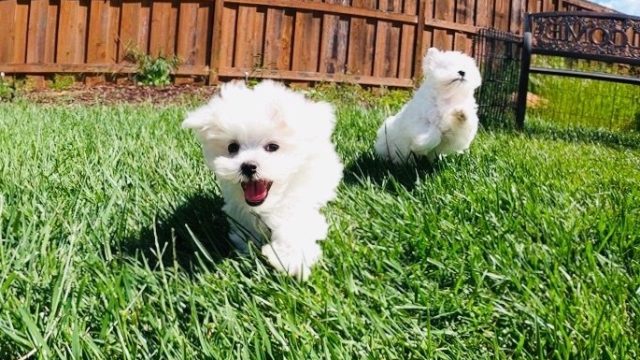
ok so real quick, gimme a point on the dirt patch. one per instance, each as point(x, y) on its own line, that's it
point(108, 94)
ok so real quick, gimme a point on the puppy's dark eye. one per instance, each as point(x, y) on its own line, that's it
point(271, 147)
point(233, 148)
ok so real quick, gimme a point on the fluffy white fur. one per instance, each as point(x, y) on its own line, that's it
point(441, 117)
point(304, 170)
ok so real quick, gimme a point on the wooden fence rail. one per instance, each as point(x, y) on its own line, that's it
point(377, 42)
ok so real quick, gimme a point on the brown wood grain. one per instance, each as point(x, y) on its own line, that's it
point(160, 18)
point(97, 47)
point(129, 29)
point(306, 41)
point(244, 39)
point(517, 12)
point(257, 39)
point(392, 34)
point(444, 10)
point(463, 15)
point(37, 31)
point(278, 41)
point(333, 48)
point(7, 36)
point(52, 31)
point(501, 15)
point(355, 10)
point(186, 45)
point(357, 42)
point(218, 51)
point(361, 41)
point(204, 32)
point(407, 39)
point(227, 37)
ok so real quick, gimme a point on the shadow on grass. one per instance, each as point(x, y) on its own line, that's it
point(195, 232)
point(369, 168)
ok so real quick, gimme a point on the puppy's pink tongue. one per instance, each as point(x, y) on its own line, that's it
point(255, 191)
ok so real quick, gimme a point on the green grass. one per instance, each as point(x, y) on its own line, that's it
point(527, 247)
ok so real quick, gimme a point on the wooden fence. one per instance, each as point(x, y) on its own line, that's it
point(378, 42)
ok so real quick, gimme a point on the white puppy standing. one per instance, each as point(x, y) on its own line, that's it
point(441, 117)
point(271, 151)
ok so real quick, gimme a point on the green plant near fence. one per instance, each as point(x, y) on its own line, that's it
point(153, 71)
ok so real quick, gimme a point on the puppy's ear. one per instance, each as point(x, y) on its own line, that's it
point(322, 119)
point(200, 119)
point(429, 58)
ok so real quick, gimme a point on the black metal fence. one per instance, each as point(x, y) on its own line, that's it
point(581, 102)
point(593, 58)
point(561, 101)
point(498, 55)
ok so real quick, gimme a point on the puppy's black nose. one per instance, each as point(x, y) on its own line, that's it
point(248, 168)
point(461, 73)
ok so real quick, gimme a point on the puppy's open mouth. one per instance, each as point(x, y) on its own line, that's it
point(255, 191)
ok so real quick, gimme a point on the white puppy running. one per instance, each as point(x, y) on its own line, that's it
point(441, 117)
point(270, 149)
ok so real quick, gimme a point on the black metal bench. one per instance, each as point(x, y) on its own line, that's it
point(612, 38)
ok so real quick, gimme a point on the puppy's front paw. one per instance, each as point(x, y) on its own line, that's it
point(459, 116)
point(296, 261)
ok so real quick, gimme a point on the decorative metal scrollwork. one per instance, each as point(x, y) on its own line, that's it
point(613, 36)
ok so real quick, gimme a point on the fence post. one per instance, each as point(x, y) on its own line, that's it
point(214, 64)
point(418, 55)
point(523, 86)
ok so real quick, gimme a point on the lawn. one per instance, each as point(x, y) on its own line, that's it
point(526, 247)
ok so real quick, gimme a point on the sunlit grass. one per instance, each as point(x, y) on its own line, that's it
point(526, 247)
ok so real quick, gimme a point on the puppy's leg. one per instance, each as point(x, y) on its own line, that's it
point(459, 116)
point(244, 229)
point(294, 248)
point(423, 143)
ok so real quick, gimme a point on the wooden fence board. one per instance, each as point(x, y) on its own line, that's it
point(393, 42)
point(21, 23)
point(333, 48)
point(160, 40)
point(227, 39)
point(278, 39)
point(428, 30)
point(52, 31)
point(387, 40)
point(130, 29)
point(244, 44)
point(361, 41)
point(97, 46)
point(463, 15)
point(257, 40)
point(306, 41)
point(311, 40)
point(204, 32)
point(407, 38)
point(37, 31)
point(501, 15)
point(444, 10)
point(187, 46)
point(516, 17)
point(7, 36)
